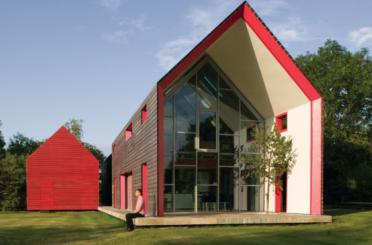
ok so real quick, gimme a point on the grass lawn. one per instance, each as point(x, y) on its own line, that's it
point(349, 227)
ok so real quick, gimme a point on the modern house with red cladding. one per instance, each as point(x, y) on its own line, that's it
point(62, 175)
point(180, 144)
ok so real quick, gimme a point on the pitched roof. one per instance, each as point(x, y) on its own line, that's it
point(245, 12)
point(61, 144)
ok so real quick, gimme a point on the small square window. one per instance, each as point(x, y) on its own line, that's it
point(251, 133)
point(144, 114)
point(282, 122)
point(128, 132)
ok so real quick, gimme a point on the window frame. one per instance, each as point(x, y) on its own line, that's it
point(128, 133)
point(144, 114)
point(279, 122)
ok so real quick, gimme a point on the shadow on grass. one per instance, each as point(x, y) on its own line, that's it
point(51, 235)
point(270, 235)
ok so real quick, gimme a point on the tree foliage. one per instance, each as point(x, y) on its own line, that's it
point(2, 144)
point(13, 182)
point(345, 81)
point(267, 158)
point(95, 151)
point(75, 126)
point(22, 145)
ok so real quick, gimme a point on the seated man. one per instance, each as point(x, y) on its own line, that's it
point(138, 212)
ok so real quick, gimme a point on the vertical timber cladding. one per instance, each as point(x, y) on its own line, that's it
point(129, 155)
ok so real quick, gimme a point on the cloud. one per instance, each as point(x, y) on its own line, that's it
point(111, 4)
point(362, 36)
point(119, 36)
point(269, 7)
point(201, 21)
point(126, 29)
point(291, 29)
point(138, 23)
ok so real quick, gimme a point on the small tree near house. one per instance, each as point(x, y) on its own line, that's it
point(267, 158)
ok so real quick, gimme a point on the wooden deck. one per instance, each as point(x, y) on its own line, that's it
point(231, 218)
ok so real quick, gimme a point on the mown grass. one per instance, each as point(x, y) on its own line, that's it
point(98, 228)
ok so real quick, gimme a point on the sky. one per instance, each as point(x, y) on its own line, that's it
point(96, 60)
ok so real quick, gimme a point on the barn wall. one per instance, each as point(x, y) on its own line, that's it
point(62, 175)
point(129, 155)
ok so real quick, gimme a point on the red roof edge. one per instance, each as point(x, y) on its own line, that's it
point(246, 12)
point(279, 52)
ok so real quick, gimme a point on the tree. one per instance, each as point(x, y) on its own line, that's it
point(95, 151)
point(75, 126)
point(13, 182)
point(345, 81)
point(267, 158)
point(2, 144)
point(22, 145)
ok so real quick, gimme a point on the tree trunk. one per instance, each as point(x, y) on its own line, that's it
point(268, 195)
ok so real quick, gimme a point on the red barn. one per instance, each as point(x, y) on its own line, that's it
point(62, 175)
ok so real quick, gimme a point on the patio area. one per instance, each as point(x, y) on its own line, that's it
point(226, 218)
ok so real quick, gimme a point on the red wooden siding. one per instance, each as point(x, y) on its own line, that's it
point(122, 192)
point(144, 183)
point(62, 175)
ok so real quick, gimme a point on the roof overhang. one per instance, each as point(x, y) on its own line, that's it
point(254, 60)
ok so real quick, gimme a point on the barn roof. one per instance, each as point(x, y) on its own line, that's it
point(62, 144)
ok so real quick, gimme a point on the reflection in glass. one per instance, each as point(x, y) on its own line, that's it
point(185, 109)
point(185, 158)
point(227, 160)
point(184, 188)
point(227, 144)
point(207, 168)
point(207, 84)
point(185, 142)
point(207, 198)
point(208, 177)
point(168, 167)
point(207, 130)
point(168, 198)
point(229, 112)
point(246, 114)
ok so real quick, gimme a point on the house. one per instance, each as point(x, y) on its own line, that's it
point(179, 146)
point(62, 175)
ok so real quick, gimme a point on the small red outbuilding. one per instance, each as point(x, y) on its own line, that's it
point(62, 175)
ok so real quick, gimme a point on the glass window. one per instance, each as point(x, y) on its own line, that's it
point(246, 114)
point(227, 144)
point(207, 198)
point(207, 130)
point(168, 166)
point(207, 84)
point(229, 112)
point(185, 158)
point(250, 198)
point(228, 189)
point(168, 198)
point(207, 168)
point(227, 160)
point(185, 109)
point(185, 142)
point(282, 122)
point(223, 84)
point(184, 188)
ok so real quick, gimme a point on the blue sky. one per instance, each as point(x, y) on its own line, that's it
point(96, 60)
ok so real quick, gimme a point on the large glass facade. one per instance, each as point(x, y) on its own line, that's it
point(205, 121)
